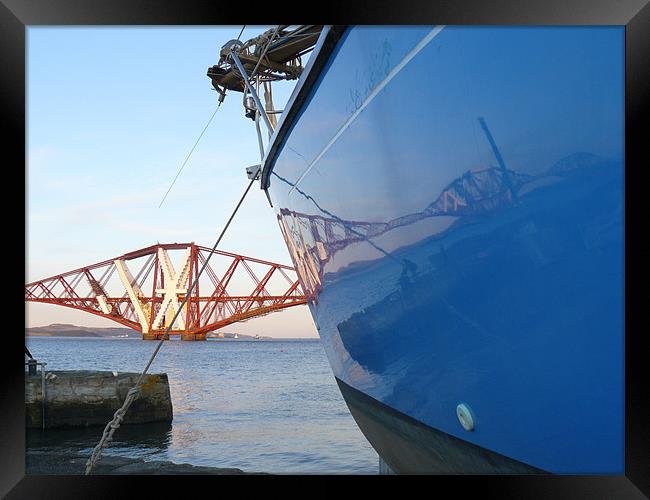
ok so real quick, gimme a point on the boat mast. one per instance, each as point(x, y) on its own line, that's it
point(497, 154)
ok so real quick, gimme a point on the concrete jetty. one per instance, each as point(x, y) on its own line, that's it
point(82, 398)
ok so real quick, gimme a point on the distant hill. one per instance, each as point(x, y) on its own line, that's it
point(66, 330)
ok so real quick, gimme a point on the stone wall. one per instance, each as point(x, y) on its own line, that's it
point(83, 398)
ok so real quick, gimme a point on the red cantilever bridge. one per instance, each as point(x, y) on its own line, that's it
point(231, 288)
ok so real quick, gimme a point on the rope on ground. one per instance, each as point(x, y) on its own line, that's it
point(134, 392)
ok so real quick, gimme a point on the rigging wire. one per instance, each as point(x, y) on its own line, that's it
point(133, 393)
point(242, 30)
point(189, 154)
point(268, 44)
point(199, 138)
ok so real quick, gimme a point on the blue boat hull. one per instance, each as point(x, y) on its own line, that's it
point(452, 199)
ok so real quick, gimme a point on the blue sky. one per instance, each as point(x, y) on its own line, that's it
point(111, 115)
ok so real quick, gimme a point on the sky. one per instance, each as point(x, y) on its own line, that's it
point(111, 115)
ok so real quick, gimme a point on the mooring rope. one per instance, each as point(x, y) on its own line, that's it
point(134, 392)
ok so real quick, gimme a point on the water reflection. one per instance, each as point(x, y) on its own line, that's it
point(133, 440)
point(236, 404)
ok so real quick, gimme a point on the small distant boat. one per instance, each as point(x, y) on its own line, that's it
point(257, 337)
point(236, 336)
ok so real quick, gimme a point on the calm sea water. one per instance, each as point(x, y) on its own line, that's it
point(261, 406)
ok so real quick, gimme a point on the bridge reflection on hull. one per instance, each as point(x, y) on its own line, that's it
point(314, 239)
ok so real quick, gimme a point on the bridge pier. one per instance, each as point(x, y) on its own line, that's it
point(155, 336)
point(193, 336)
point(165, 336)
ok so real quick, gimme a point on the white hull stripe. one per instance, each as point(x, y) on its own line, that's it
point(396, 69)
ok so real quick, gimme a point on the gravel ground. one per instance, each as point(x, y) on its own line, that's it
point(48, 463)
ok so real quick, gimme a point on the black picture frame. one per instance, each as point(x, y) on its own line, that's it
point(17, 15)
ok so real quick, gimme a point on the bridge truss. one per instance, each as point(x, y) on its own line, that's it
point(144, 289)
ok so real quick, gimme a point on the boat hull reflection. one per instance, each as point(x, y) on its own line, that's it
point(447, 267)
